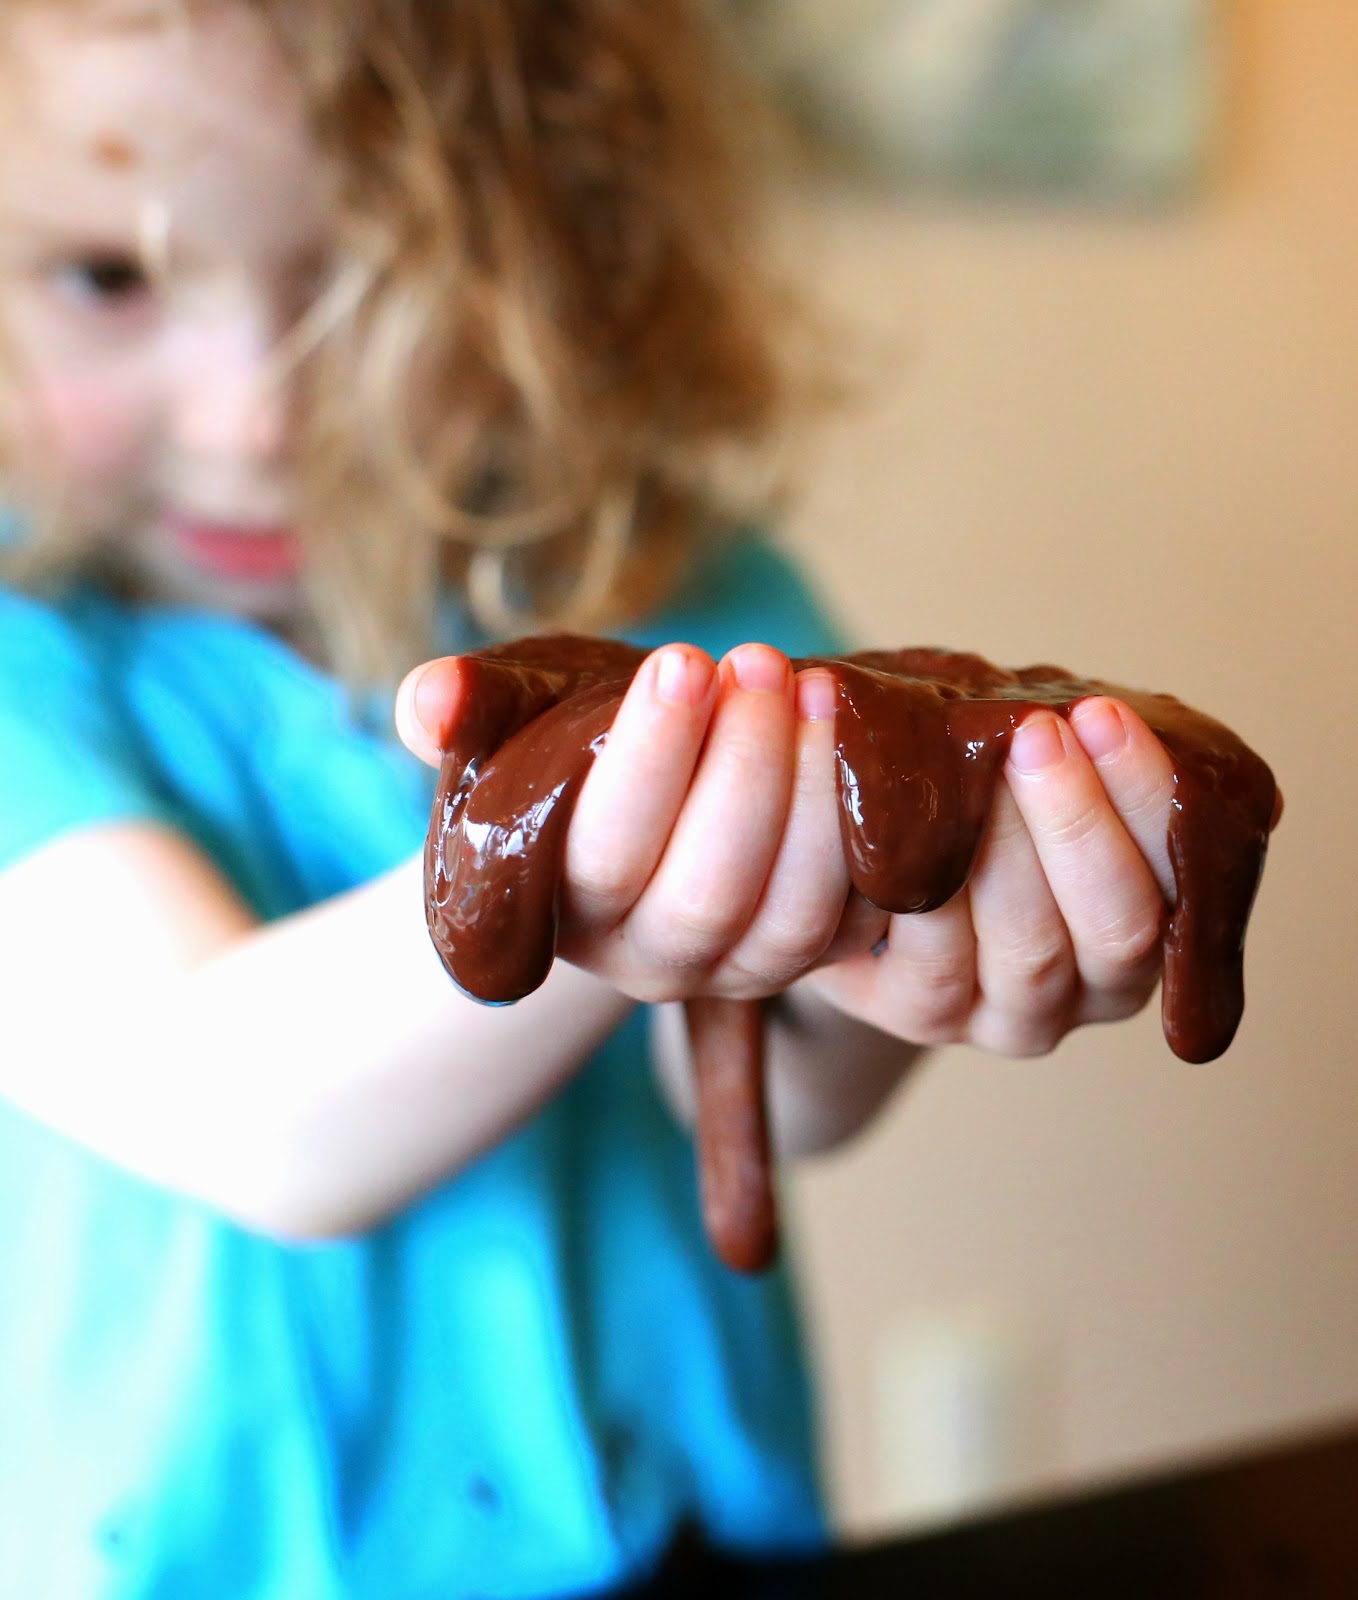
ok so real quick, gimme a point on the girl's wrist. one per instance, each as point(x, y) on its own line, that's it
point(829, 1072)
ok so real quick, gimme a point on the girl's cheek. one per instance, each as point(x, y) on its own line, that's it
point(94, 435)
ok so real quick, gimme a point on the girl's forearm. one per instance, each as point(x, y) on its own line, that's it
point(373, 1077)
point(307, 1076)
point(312, 1075)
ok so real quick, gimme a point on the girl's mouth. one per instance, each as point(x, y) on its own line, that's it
point(261, 553)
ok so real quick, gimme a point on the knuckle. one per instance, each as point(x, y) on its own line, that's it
point(699, 927)
point(1150, 804)
point(662, 989)
point(1023, 1034)
point(1129, 943)
point(656, 975)
point(793, 946)
point(741, 980)
point(605, 881)
point(1035, 976)
point(1068, 831)
point(934, 1008)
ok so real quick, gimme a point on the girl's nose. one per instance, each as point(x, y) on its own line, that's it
point(230, 401)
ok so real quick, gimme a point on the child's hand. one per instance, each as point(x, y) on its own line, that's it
point(705, 857)
point(1060, 921)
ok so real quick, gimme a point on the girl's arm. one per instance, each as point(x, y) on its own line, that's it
point(312, 1075)
point(307, 1077)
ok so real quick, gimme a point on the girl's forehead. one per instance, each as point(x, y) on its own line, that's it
point(107, 98)
point(168, 79)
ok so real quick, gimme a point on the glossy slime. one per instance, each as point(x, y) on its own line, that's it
point(920, 741)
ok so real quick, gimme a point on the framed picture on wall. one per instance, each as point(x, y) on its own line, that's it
point(1096, 99)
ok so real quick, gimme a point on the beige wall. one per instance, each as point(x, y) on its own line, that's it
point(1131, 446)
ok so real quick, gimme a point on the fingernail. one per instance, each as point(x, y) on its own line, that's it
point(425, 702)
point(816, 696)
point(1037, 745)
point(682, 678)
point(1101, 730)
point(759, 669)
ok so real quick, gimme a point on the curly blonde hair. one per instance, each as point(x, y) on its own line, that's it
point(550, 330)
point(548, 360)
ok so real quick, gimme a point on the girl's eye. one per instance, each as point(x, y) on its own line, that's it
point(112, 282)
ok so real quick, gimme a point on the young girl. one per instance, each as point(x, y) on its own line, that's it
point(335, 334)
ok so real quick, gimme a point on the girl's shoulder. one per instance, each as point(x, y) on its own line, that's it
point(58, 654)
point(77, 652)
point(80, 645)
point(36, 631)
point(65, 743)
point(113, 711)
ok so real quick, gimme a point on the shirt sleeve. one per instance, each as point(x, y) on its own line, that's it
point(746, 590)
point(68, 757)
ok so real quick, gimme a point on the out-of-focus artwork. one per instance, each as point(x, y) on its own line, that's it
point(1102, 99)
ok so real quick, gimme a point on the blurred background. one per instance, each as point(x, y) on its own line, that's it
point(1112, 421)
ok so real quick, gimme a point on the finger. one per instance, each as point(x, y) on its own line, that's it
point(921, 985)
point(636, 786)
point(862, 930)
point(1137, 775)
point(1027, 980)
point(722, 847)
point(808, 884)
point(428, 703)
point(1108, 895)
point(929, 966)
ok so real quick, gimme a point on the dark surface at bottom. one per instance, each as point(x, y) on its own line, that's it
point(1280, 1522)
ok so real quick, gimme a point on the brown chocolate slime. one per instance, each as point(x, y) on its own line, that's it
point(920, 739)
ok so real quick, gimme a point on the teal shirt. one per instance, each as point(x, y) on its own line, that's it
point(522, 1384)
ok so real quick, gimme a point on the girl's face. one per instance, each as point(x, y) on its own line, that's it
point(164, 219)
